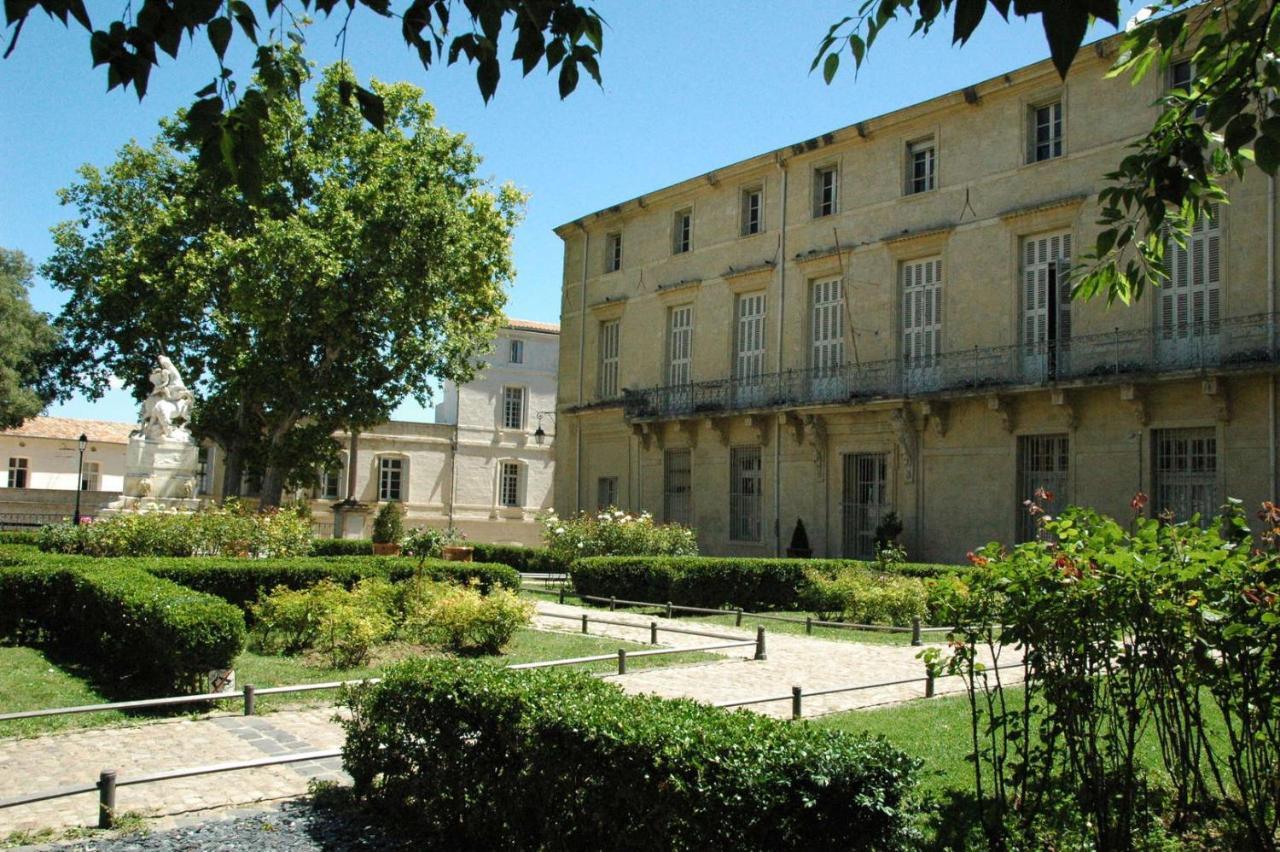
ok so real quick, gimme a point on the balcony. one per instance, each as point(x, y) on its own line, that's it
point(1246, 343)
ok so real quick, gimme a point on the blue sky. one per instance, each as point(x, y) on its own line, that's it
point(688, 87)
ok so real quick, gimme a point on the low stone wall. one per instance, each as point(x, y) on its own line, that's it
point(27, 508)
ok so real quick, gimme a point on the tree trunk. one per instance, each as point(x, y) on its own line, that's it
point(272, 487)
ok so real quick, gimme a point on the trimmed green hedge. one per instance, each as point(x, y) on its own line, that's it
point(709, 581)
point(467, 755)
point(532, 560)
point(342, 547)
point(30, 537)
point(154, 633)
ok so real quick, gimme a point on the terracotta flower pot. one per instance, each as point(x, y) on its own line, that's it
point(456, 553)
point(386, 548)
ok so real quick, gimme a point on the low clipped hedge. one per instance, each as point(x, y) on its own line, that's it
point(530, 560)
point(342, 547)
point(467, 755)
point(30, 537)
point(155, 633)
point(709, 581)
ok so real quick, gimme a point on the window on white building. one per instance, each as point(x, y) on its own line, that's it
point(609, 359)
point(515, 353)
point(825, 191)
point(205, 470)
point(1185, 473)
point(91, 476)
point(512, 408)
point(677, 487)
point(922, 166)
point(752, 210)
point(613, 252)
point(682, 231)
point(606, 492)
point(1043, 468)
point(1181, 76)
point(680, 345)
point(18, 472)
point(746, 487)
point(509, 484)
point(391, 478)
point(1046, 132)
point(330, 483)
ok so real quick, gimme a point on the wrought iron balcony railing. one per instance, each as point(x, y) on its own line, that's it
point(1240, 342)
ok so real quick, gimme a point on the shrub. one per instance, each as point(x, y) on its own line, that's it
point(613, 532)
point(342, 547)
point(228, 531)
point(388, 526)
point(157, 634)
point(19, 537)
point(342, 624)
point(861, 597)
point(532, 560)
point(425, 541)
point(463, 620)
point(451, 750)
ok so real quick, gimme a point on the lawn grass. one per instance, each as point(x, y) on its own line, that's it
point(869, 637)
point(30, 681)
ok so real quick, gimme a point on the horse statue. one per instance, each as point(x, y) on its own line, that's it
point(167, 410)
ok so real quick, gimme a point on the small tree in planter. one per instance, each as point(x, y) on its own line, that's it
point(454, 547)
point(799, 547)
point(388, 529)
point(887, 532)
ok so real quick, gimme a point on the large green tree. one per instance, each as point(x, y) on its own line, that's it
point(373, 263)
point(25, 340)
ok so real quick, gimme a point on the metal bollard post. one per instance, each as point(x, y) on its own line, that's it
point(106, 798)
point(760, 648)
point(915, 631)
point(928, 685)
point(622, 661)
point(796, 711)
point(808, 624)
point(669, 609)
point(613, 603)
point(250, 700)
point(653, 633)
point(738, 621)
point(584, 622)
point(562, 594)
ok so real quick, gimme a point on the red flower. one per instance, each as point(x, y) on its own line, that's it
point(1138, 502)
point(1044, 494)
point(977, 560)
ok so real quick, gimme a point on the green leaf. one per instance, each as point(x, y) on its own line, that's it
point(1266, 152)
point(372, 107)
point(830, 66)
point(968, 15)
point(220, 35)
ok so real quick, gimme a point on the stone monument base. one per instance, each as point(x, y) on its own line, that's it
point(160, 474)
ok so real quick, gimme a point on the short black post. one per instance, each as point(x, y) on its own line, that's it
point(613, 603)
point(796, 711)
point(760, 648)
point(915, 631)
point(562, 594)
point(622, 661)
point(670, 609)
point(106, 798)
point(808, 624)
point(928, 685)
point(250, 700)
point(653, 633)
point(584, 622)
point(738, 620)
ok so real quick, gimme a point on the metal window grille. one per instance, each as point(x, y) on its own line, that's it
point(1185, 472)
point(17, 473)
point(824, 191)
point(509, 484)
point(91, 477)
point(752, 211)
point(683, 232)
point(516, 352)
point(746, 487)
point(390, 472)
point(680, 345)
point(864, 500)
point(1043, 462)
point(1047, 131)
point(609, 359)
point(827, 326)
point(677, 487)
point(613, 253)
point(606, 492)
point(513, 408)
point(923, 160)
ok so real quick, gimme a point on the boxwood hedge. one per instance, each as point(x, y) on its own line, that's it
point(155, 634)
point(466, 755)
point(537, 560)
point(342, 547)
point(709, 581)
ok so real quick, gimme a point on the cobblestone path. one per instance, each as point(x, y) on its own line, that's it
point(76, 757)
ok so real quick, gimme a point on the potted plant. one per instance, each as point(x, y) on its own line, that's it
point(888, 530)
point(388, 529)
point(452, 547)
point(799, 547)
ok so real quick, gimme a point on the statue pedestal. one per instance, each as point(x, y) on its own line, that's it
point(159, 474)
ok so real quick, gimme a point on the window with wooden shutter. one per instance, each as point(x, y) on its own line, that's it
point(1046, 303)
point(827, 326)
point(921, 313)
point(680, 345)
point(749, 363)
point(609, 359)
point(1191, 300)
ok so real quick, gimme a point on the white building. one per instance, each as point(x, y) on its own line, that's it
point(42, 460)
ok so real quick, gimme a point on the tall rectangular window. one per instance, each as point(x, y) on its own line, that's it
point(17, 473)
point(752, 211)
point(1043, 470)
point(1046, 131)
point(863, 501)
point(204, 475)
point(746, 488)
point(825, 191)
point(827, 326)
point(513, 408)
point(606, 492)
point(608, 359)
point(515, 352)
point(680, 345)
point(682, 231)
point(677, 486)
point(1191, 302)
point(1046, 305)
point(921, 315)
point(390, 478)
point(922, 163)
point(509, 484)
point(1185, 473)
point(91, 477)
point(749, 342)
point(330, 483)
point(613, 252)
point(1182, 76)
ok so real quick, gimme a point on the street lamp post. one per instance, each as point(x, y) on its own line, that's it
point(83, 442)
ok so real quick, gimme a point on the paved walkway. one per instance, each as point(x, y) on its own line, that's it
point(76, 757)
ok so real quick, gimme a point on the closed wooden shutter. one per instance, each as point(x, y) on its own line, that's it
point(1190, 303)
point(749, 363)
point(827, 321)
point(921, 312)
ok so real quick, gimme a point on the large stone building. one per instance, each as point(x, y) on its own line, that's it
point(876, 319)
point(42, 457)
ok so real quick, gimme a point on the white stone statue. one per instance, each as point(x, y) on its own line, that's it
point(166, 411)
